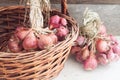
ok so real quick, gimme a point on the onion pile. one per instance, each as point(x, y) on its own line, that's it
point(28, 39)
point(93, 45)
point(59, 24)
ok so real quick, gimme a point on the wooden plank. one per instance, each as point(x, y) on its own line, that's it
point(8, 2)
point(12, 2)
point(110, 15)
point(89, 1)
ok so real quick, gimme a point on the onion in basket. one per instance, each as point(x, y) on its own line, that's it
point(22, 32)
point(30, 42)
point(14, 44)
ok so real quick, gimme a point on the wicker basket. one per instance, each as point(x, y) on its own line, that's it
point(37, 65)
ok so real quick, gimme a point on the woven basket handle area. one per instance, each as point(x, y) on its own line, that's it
point(64, 8)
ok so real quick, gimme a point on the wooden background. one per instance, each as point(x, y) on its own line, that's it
point(90, 1)
point(75, 1)
point(109, 11)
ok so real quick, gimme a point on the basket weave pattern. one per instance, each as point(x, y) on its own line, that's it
point(37, 65)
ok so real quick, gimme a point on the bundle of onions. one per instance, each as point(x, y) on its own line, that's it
point(30, 49)
point(37, 36)
point(93, 38)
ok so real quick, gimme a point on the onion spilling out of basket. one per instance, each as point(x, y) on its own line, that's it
point(93, 45)
point(29, 39)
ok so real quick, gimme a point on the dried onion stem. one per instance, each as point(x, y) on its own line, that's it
point(92, 23)
point(36, 16)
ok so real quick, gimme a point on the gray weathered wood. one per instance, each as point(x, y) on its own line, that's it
point(89, 1)
point(8, 2)
point(110, 14)
point(71, 1)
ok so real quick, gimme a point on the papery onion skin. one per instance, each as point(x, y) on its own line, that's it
point(102, 30)
point(90, 63)
point(62, 31)
point(30, 42)
point(63, 21)
point(85, 53)
point(102, 45)
point(113, 39)
point(102, 58)
point(75, 50)
point(116, 49)
point(14, 44)
point(110, 55)
point(19, 28)
point(22, 32)
point(53, 37)
point(80, 40)
point(54, 22)
point(78, 57)
point(44, 41)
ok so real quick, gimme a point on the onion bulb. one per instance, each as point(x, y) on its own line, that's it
point(14, 44)
point(102, 30)
point(53, 37)
point(19, 28)
point(78, 57)
point(44, 41)
point(102, 58)
point(91, 62)
point(22, 32)
point(116, 49)
point(30, 42)
point(75, 50)
point(63, 21)
point(62, 31)
point(110, 55)
point(80, 40)
point(54, 22)
point(102, 45)
point(113, 39)
point(85, 53)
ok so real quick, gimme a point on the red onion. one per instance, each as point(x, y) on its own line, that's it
point(102, 30)
point(14, 44)
point(22, 33)
point(85, 53)
point(44, 41)
point(116, 49)
point(110, 55)
point(30, 42)
point(62, 31)
point(75, 49)
point(53, 37)
point(63, 21)
point(54, 22)
point(102, 58)
point(80, 40)
point(117, 57)
point(102, 45)
point(19, 28)
point(78, 57)
point(113, 39)
point(91, 62)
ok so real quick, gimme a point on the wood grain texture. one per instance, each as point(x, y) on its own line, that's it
point(70, 1)
point(8, 2)
point(110, 13)
point(89, 1)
